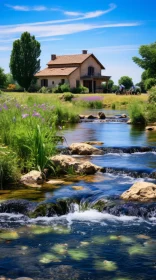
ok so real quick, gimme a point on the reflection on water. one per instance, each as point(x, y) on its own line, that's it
point(112, 134)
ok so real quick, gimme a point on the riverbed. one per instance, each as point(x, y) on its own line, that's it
point(116, 241)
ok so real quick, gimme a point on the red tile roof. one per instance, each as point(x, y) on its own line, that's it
point(59, 71)
point(69, 59)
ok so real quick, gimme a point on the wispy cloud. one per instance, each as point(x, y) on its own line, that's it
point(57, 30)
point(93, 14)
point(27, 8)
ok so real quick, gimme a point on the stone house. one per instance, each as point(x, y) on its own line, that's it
point(84, 69)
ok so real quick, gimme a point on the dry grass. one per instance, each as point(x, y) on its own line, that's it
point(108, 99)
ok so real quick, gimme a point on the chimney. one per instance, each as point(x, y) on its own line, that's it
point(84, 51)
point(53, 56)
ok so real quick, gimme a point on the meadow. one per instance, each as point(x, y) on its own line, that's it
point(31, 125)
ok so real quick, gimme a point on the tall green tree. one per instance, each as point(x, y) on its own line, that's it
point(148, 60)
point(3, 77)
point(24, 62)
point(126, 81)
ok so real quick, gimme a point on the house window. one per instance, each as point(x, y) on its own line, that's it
point(77, 83)
point(52, 82)
point(90, 71)
point(62, 81)
point(44, 82)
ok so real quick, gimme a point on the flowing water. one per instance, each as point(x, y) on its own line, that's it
point(88, 233)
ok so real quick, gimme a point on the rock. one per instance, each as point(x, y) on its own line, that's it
point(81, 117)
point(123, 116)
point(84, 149)
point(101, 115)
point(151, 128)
point(33, 177)
point(98, 143)
point(140, 191)
point(90, 117)
point(55, 182)
point(129, 121)
point(17, 206)
point(67, 164)
point(78, 188)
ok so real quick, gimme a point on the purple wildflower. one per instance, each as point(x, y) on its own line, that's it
point(0, 109)
point(36, 114)
point(24, 116)
point(18, 105)
point(5, 107)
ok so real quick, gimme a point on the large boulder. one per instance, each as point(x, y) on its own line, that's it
point(84, 149)
point(33, 178)
point(141, 191)
point(66, 164)
point(101, 115)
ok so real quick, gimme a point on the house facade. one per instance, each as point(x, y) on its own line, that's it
point(84, 69)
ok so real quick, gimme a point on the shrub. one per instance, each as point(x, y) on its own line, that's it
point(65, 88)
point(9, 172)
point(68, 96)
point(43, 90)
point(113, 106)
point(137, 112)
point(57, 89)
point(151, 113)
point(149, 83)
point(11, 87)
point(152, 95)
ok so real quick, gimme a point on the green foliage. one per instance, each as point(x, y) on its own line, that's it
point(9, 172)
point(65, 88)
point(113, 106)
point(43, 90)
point(126, 81)
point(152, 95)
point(149, 83)
point(68, 96)
point(9, 79)
point(115, 88)
point(137, 112)
point(151, 112)
point(108, 87)
point(148, 60)
point(3, 77)
point(24, 62)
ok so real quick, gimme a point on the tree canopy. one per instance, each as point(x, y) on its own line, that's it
point(147, 62)
point(126, 81)
point(3, 77)
point(24, 62)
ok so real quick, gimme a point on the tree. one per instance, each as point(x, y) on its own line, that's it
point(2, 77)
point(9, 79)
point(108, 86)
point(24, 62)
point(126, 81)
point(148, 60)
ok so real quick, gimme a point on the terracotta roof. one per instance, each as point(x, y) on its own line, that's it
point(59, 71)
point(69, 59)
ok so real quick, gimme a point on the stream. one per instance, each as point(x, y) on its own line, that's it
point(87, 233)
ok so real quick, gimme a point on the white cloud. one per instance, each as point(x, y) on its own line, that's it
point(73, 14)
point(27, 8)
point(57, 30)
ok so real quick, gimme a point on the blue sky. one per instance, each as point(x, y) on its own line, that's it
point(112, 30)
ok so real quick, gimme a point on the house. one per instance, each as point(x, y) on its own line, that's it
point(84, 69)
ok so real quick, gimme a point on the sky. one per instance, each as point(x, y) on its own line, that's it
point(112, 30)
